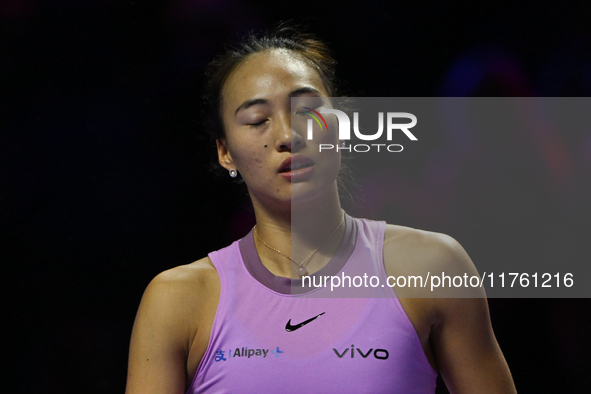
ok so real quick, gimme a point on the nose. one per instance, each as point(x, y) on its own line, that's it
point(288, 139)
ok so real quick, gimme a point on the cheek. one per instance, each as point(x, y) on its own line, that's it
point(251, 162)
point(333, 128)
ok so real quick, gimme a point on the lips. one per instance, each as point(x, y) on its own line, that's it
point(295, 162)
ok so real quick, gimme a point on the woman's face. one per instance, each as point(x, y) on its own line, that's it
point(277, 162)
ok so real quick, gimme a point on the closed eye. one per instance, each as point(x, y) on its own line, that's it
point(259, 124)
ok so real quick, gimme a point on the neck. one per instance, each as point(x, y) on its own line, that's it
point(298, 230)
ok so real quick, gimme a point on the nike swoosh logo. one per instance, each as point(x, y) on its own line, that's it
point(289, 327)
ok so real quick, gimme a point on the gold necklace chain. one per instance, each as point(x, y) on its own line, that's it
point(301, 269)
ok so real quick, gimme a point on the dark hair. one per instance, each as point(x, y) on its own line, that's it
point(285, 36)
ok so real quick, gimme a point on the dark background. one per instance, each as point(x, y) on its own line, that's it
point(104, 178)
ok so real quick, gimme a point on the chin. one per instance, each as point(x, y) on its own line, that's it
point(305, 193)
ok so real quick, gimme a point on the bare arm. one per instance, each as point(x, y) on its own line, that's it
point(456, 333)
point(466, 350)
point(165, 331)
point(464, 344)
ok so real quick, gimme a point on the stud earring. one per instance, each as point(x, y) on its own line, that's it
point(233, 173)
point(342, 144)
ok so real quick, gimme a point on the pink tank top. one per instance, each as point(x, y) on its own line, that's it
point(264, 339)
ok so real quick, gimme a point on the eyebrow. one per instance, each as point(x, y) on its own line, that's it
point(249, 103)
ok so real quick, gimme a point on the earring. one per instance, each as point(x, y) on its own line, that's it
point(233, 173)
point(342, 144)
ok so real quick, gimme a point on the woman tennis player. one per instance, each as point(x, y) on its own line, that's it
point(235, 321)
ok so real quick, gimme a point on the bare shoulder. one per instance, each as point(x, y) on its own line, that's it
point(179, 295)
point(409, 249)
point(200, 272)
point(184, 288)
point(435, 259)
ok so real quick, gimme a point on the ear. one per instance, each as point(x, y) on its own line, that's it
point(224, 156)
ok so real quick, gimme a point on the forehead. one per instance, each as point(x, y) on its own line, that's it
point(267, 74)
